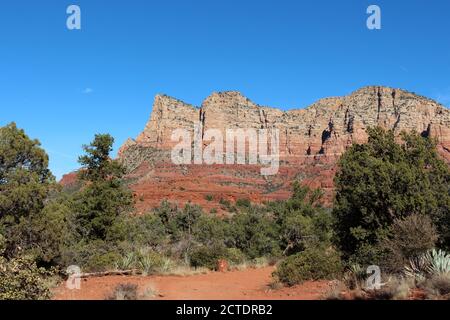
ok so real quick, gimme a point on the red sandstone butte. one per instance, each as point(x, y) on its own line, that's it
point(311, 141)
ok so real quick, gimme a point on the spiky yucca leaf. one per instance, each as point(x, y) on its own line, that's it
point(439, 262)
point(432, 263)
point(127, 262)
point(417, 268)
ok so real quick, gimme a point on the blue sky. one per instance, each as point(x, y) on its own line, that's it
point(64, 86)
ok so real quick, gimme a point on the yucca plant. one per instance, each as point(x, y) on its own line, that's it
point(358, 271)
point(150, 262)
point(440, 262)
point(127, 262)
point(355, 276)
point(166, 264)
point(432, 263)
point(417, 268)
point(146, 264)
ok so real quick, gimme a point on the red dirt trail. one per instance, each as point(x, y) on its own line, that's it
point(249, 284)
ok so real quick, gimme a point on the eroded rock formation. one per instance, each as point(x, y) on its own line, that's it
point(311, 141)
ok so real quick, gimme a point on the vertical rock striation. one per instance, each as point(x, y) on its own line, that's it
point(311, 139)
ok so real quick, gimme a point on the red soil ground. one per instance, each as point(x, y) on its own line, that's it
point(249, 284)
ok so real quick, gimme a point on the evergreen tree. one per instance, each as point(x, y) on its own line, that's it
point(104, 196)
point(25, 185)
point(25, 180)
point(384, 180)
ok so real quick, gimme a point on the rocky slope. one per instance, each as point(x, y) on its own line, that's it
point(310, 142)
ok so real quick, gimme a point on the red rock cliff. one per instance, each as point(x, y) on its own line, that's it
point(311, 141)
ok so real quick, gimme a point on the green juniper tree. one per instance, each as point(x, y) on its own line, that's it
point(382, 181)
point(25, 186)
point(25, 179)
point(302, 220)
point(104, 195)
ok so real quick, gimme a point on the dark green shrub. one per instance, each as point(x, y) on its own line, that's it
point(41, 235)
point(302, 220)
point(139, 231)
point(225, 202)
point(207, 256)
point(255, 233)
point(243, 203)
point(300, 230)
point(226, 205)
point(383, 180)
point(235, 256)
point(179, 223)
point(209, 230)
point(311, 264)
point(92, 256)
point(102, 261)
point(209, 197)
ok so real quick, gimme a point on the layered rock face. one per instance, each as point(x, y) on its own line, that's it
point(310, 142)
